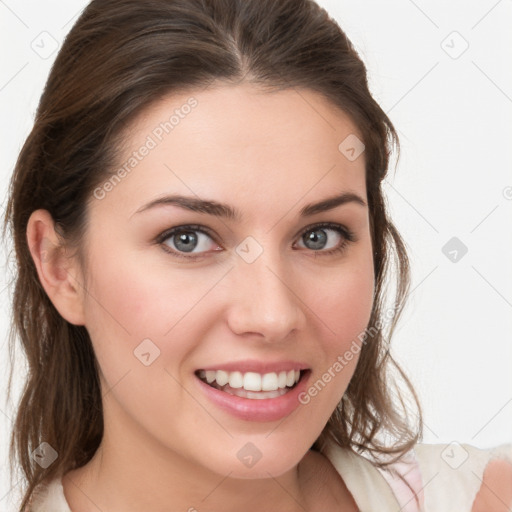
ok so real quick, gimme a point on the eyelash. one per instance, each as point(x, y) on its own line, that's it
point(348, 236)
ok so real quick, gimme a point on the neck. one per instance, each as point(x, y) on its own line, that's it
point(130, 472)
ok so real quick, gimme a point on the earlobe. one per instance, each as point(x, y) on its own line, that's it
point(58, 273)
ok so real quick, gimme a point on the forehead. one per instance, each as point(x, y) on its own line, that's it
point(239, 143)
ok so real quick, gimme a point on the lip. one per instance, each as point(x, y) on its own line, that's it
point(252, 365)
point(268, 409)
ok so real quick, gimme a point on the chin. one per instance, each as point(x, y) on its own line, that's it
point(262, 470)
point(257, 460)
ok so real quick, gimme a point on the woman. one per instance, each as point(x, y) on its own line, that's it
point(202, 248)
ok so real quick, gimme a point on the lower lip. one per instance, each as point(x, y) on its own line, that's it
point(267, 409)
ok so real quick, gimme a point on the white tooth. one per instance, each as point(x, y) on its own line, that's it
point(256, 395)
point(252, 381)
point(269, 382)
point(202, 374)
point(236, 380)
point(221, 377)
point(265, 394)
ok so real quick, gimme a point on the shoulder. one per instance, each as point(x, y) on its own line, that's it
point(369, 487)
point(466, 478)
point(495, 494)
point(436, 477)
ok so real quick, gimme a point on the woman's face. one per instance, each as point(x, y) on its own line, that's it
point(251, 288)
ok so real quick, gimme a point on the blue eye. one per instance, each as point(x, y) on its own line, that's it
point(318, 238)
point(185, 239)
point(180, 240)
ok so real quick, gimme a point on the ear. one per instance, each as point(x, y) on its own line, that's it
point(58, 273)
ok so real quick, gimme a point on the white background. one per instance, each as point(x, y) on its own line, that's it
point(453, 111)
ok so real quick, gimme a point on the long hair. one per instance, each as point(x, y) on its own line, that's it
point(119, 58)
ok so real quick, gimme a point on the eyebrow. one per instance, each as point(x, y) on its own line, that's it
point(225, 211)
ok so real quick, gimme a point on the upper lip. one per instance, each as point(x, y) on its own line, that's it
point(252, 365)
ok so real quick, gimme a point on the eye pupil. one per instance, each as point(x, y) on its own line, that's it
point(318, 237)
point(185, 241)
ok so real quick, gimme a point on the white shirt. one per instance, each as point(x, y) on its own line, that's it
point(430, 478)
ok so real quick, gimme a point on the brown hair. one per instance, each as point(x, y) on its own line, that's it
point(121, 56)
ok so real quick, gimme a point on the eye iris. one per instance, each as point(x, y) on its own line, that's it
point(318, 241)
point(185, 241)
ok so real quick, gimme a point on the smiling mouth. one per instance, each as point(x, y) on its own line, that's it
point(252, 385)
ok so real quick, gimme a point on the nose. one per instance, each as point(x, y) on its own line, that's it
point(263, 301)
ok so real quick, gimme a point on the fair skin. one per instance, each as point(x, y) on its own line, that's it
point(495, 494)
point(165, 445)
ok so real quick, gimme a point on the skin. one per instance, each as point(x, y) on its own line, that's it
point(495, 494)
point(165, 445)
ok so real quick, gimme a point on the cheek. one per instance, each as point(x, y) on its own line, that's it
point(345, 300)
point(351, 310)
point(343, 306)
point(136, 316)
point(129, 301)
